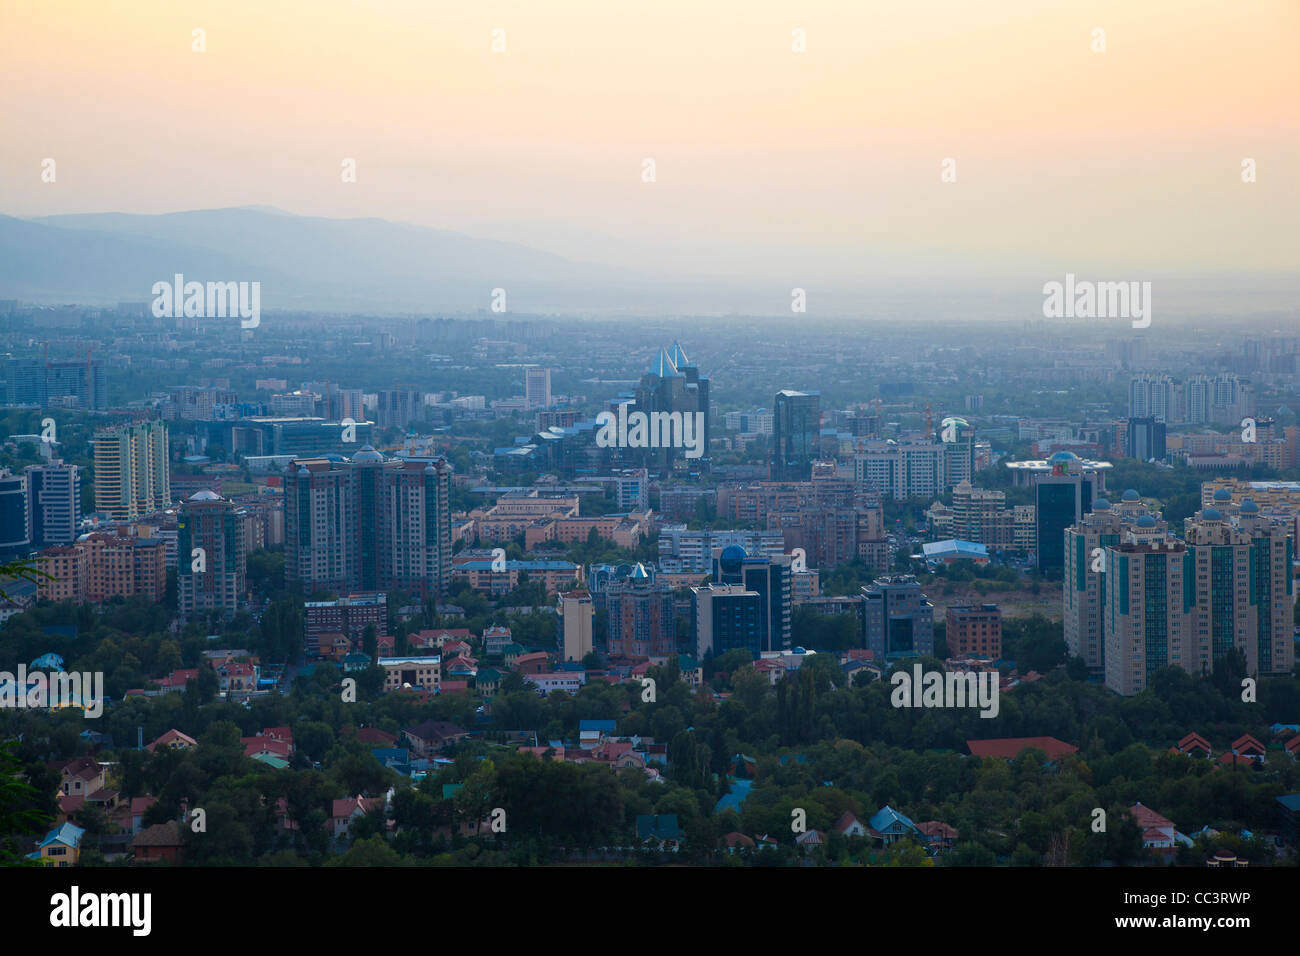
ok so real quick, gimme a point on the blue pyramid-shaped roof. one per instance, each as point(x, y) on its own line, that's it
point(678, 357)
point(663, 366)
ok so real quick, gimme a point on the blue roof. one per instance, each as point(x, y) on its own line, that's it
point(1291, 801)
point(662, 827)
point(69, 834)
point(955, 546)
point(735, 799)
point(604, 726)
point(888, 817)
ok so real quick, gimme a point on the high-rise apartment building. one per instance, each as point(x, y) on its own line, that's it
point(1084, 577)
point(576, 614)
point(640, 613)
point(915, 468)
point(80, 383)
point(131, 470)
point(1166, 602)
point(399, 407)
point(368, 524)
point(211, 570)
point(1245, 592)
point(796, 434)
point(1154, 396)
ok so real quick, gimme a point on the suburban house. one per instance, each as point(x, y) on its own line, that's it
point(937, 835)
point(734, 841)
point(343, 812)
point(890, 826)
point(1193, 745)
point(174, 739)
point(659, 831)
point(810, 840)
point(82, 777)
point(850, 826)
point(371, 736)
point(432, 736)
point(160, 843)
point(487, 681)
point(1248, 747)
point(1158, 832)
point(237, 677)
point(61, 846)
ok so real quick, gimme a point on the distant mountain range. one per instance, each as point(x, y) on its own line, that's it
point(301, 261)
point(376, 266)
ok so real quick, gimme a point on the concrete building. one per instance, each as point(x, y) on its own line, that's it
point(369, 524)
point(1084, 584)
point(974, 630)
point(897, 619)
point(132, 477)
point(641, 619)
point(211, 573)
point(576, 613)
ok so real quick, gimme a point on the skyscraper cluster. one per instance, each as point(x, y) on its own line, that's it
point(1138, 599)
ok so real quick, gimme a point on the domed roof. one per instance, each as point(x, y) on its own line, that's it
point(1146, 521)
point(1211, 514)
point(205, 495)
point(1101, 504)
point(367, 453)
point(303, 472)
point(1131, 495)
point(1064, 456)
point(731, 558)
point(1222, 494)
point(1249, 507)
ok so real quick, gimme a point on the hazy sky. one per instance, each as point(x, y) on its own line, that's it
point(826, 161)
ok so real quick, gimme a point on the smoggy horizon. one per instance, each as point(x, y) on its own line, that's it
point(828, 164)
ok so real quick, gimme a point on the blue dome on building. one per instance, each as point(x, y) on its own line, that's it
point(1146, 521)
point(1249, 507)
point(1222, 494)
point(1211, 514)
point(731, 558)
point(1101, 504)
point(1131, 495)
